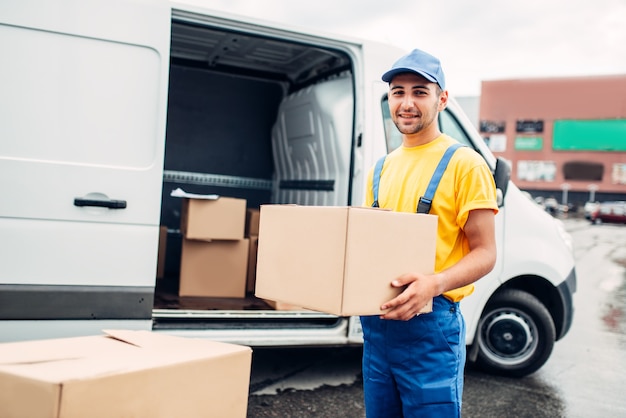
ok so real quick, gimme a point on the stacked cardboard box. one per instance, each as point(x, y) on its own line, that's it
point(213, 218)
point(124, 374)
point(214, 256)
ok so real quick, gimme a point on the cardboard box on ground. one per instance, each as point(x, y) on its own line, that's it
point(214, 257)
point(124, 373)
point(340, 260)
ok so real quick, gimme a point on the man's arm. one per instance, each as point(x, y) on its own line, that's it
point(480, 232)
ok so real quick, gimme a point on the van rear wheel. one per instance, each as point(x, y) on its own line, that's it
point(515, 334)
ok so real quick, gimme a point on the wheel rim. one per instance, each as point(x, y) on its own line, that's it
point(508, 336)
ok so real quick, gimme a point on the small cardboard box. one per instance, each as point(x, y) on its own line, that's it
point(124, 374)
point(252, 222)
point(340, 260)
point(161, 253)
point(214, 268)
point(206, 219)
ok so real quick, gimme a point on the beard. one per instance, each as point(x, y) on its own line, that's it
point(412, 128)
point(419, 123)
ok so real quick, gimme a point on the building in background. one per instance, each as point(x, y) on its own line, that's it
point(565, 137)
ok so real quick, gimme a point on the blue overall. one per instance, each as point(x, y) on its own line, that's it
point(415, 368)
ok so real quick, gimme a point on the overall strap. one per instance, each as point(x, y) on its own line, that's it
point(425, 201)
point(376, 180)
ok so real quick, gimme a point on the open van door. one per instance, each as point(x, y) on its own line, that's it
point(83, 104)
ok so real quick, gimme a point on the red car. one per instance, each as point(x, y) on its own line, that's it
point(614, 212)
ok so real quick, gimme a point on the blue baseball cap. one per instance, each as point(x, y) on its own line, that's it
point(419, 62)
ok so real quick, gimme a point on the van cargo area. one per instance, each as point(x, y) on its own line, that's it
point(254, 117)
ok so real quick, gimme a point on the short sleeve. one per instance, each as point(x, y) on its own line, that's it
point(476, 190)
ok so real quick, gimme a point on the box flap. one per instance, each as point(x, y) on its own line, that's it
point(33, 352)
point(159, 343)
point(41, 351)
point(59, 360)
point(136, 338)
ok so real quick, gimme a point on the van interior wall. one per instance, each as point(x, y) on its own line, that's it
point(217, 124)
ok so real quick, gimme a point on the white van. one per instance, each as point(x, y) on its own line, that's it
point(108, 106)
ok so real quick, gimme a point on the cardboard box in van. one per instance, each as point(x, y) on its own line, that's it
point(281, 306)
point(340, 260)
point(162, 252)
point(124, 373)
point(207, 219)
point(252, 257)
point(252, 221)
point(214, 268)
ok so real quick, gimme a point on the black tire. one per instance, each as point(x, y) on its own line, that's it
point(515, 334)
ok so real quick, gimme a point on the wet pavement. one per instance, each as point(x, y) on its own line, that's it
point(584, 377)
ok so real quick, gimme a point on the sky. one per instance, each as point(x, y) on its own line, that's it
point(475, 40)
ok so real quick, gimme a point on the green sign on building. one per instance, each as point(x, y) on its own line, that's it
point(528, 143)
point(589, 135)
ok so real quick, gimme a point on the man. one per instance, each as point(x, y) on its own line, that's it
point(413, 363)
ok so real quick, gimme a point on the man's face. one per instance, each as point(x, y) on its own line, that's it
point(414, 102)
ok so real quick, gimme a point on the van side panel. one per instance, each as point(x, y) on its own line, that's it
point(70, 126)
point(84, 94)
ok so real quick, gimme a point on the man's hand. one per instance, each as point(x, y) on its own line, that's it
point(419, 290)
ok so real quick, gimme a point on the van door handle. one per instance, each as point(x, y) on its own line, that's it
point(108, 203)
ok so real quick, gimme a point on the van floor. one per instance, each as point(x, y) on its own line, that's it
point(166, 297)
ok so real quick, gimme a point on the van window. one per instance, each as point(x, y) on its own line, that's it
point(393, 137)
point(448, 124)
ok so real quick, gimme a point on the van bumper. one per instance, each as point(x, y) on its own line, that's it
point(566, 292)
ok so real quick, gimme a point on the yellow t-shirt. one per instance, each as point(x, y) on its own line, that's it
point(466, 184)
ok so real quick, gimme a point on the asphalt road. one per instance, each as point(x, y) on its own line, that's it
point(584, 377)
